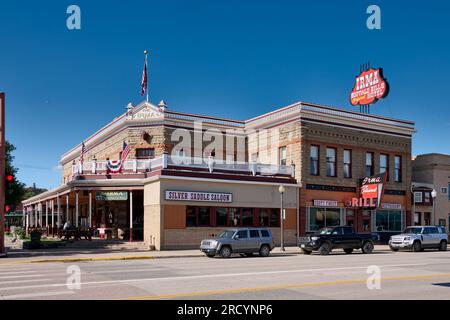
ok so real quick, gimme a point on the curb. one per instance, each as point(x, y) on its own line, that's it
point(119, 258)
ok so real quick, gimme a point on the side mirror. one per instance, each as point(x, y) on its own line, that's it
point(236, 237)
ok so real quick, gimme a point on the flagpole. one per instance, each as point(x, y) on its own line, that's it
point(146, 89)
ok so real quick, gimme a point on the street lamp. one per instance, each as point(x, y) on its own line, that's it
point(433, 195)
point(281, 190)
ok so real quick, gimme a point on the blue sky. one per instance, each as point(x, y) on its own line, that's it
point(234, 59)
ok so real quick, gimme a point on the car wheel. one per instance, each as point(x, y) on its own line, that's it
point(443, 246)
point(348, 251)
point(264, 251)
point(417, 246)
point(225, 252)
point(394, 249)
point(325, 249)
point(306, 251)
point(367, 247)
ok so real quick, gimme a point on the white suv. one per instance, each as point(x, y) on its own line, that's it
point(418, 238)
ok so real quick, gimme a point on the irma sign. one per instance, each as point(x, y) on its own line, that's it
point(370, 192)
point(370, 86)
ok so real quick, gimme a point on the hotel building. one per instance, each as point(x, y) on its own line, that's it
point(189, 176)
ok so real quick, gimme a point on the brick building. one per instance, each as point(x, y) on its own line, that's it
point(189, 176)
point(431, 172)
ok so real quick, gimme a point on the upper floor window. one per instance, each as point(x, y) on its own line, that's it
point(384, 164)
point(314, 160)
point(331, 162)
point(347, 163)
point(283, 156)
point(145, 153)
point(369, 164)
point(397, 169)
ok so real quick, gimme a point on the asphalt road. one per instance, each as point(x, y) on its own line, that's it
point(404, 275)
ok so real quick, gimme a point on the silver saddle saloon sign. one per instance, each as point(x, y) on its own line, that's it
point(198, 196)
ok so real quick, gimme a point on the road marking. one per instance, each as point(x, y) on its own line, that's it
point(38, 294)
point(280, 287)
point(16, 272)
point(25, 280)
point(221, 275)
point(28, 276)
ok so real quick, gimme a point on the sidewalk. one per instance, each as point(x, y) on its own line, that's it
point(61, 255)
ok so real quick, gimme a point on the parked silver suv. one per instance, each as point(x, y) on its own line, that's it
point(418, 238)
point(245, 241)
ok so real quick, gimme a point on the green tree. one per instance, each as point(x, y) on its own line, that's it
point(15, 190)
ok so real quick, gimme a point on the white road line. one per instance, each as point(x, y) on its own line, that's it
point(222, 275)
point(28, 276)
point(38, 294)
point(15, 272)
point(27, 281)
point(122, 271)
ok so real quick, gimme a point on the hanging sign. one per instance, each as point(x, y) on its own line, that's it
point(370, 86)
point(111, 196)
point(370, 192)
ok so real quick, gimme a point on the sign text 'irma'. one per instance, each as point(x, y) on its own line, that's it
point(370, 86)
point(198, 196)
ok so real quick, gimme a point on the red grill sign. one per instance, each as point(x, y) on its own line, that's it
point(369, 87)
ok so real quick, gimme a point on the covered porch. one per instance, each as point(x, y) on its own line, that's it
point(110, 210)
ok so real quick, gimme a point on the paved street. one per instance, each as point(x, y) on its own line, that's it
point(405, 275)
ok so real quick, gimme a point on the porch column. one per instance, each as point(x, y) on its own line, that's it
point(46, 215)
point(27, 220)
point(35, 216)
point(131, 215)
point(76, 209)
point(24, 213)
point(52, 203)
point(67, 207)
point(90, 209)
point(58, 214)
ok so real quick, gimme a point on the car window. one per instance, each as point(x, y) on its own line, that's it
point(243, 234)
point(254, 234)
point(428, 230)
point(434, 230)
point(337, 231)
point(413, 230)
point(265, 233)
point(348, 230)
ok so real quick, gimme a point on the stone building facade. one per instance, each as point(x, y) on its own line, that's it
point(244, 162)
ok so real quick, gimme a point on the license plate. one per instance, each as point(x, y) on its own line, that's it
point(302, 246)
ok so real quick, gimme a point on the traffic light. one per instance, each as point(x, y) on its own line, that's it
point(9, 178)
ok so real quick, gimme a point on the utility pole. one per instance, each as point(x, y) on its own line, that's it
point(2, 175)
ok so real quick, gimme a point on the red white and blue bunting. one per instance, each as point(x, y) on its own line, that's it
point(114, 166)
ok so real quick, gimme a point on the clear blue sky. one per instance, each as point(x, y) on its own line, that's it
point(231, 58)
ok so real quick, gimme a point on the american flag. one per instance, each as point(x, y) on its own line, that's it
point(82, 154)
point(144, 78)
point(125, 152)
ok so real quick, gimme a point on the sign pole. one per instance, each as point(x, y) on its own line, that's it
point(2, 175)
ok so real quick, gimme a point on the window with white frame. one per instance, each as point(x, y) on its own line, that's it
point(418, 197)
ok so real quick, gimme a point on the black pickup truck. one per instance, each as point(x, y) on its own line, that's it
point(327, 239)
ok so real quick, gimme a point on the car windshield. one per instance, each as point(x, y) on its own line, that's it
point(228, 234)
point(325, 231)
point(412, 230)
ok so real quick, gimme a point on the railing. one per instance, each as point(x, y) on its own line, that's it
point(186, 163)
